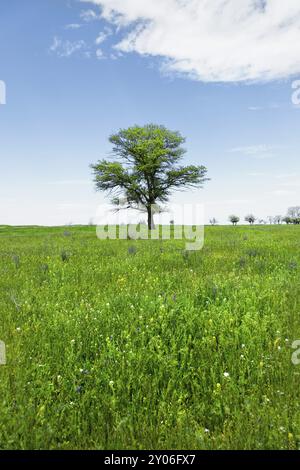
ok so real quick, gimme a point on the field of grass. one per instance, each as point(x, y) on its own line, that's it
point(142, 345)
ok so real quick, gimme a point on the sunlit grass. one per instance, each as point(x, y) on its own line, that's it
point(140, 344)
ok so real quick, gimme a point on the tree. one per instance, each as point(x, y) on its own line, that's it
point(294, 212)
point(277, 219)
point(270, 219)
point(288, 220)
point(213, 221)
point(148, 168)
point(234, 219)
point(250, 218)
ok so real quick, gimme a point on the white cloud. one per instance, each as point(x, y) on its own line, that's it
point(66, 48)
point(89, 15)
point(255, 108)
point(256, 151)
point(102, 36)
point(73, 26)
point(267, 107)
point(99, 54)
point(211, 40)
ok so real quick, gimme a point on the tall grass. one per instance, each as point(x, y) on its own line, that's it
point(141, 345)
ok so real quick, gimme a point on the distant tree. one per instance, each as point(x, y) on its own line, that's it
point(234, 219)
point(270, 219)
point(262, 222)
point(148, 169)
point(294, 212)
point(172, 222)
point(288, 220)
point(277, 219)
point(213, 221)
point(250, 218)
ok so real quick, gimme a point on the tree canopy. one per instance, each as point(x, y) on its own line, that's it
point(234, 219)
point(250, 218)
point(147, 168)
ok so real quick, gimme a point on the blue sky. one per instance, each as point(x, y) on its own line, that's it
point(67, 92)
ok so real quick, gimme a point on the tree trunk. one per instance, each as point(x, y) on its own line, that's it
point(151, 225)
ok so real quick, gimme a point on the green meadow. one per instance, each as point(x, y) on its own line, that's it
point(123, 344)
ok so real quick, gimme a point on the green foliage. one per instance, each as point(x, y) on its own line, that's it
point(151, 347)
point(234, 219)
point(250, 218)
point(148, 169)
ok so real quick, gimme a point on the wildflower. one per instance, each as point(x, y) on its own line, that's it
point(18, 329)
point(226, 374)
point(206, 430)
point(72, 341)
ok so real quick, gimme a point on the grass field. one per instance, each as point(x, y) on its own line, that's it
point(142, 345)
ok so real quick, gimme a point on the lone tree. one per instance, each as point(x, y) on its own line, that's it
point(250, 218)
point(234, 219)
point(147, 169)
